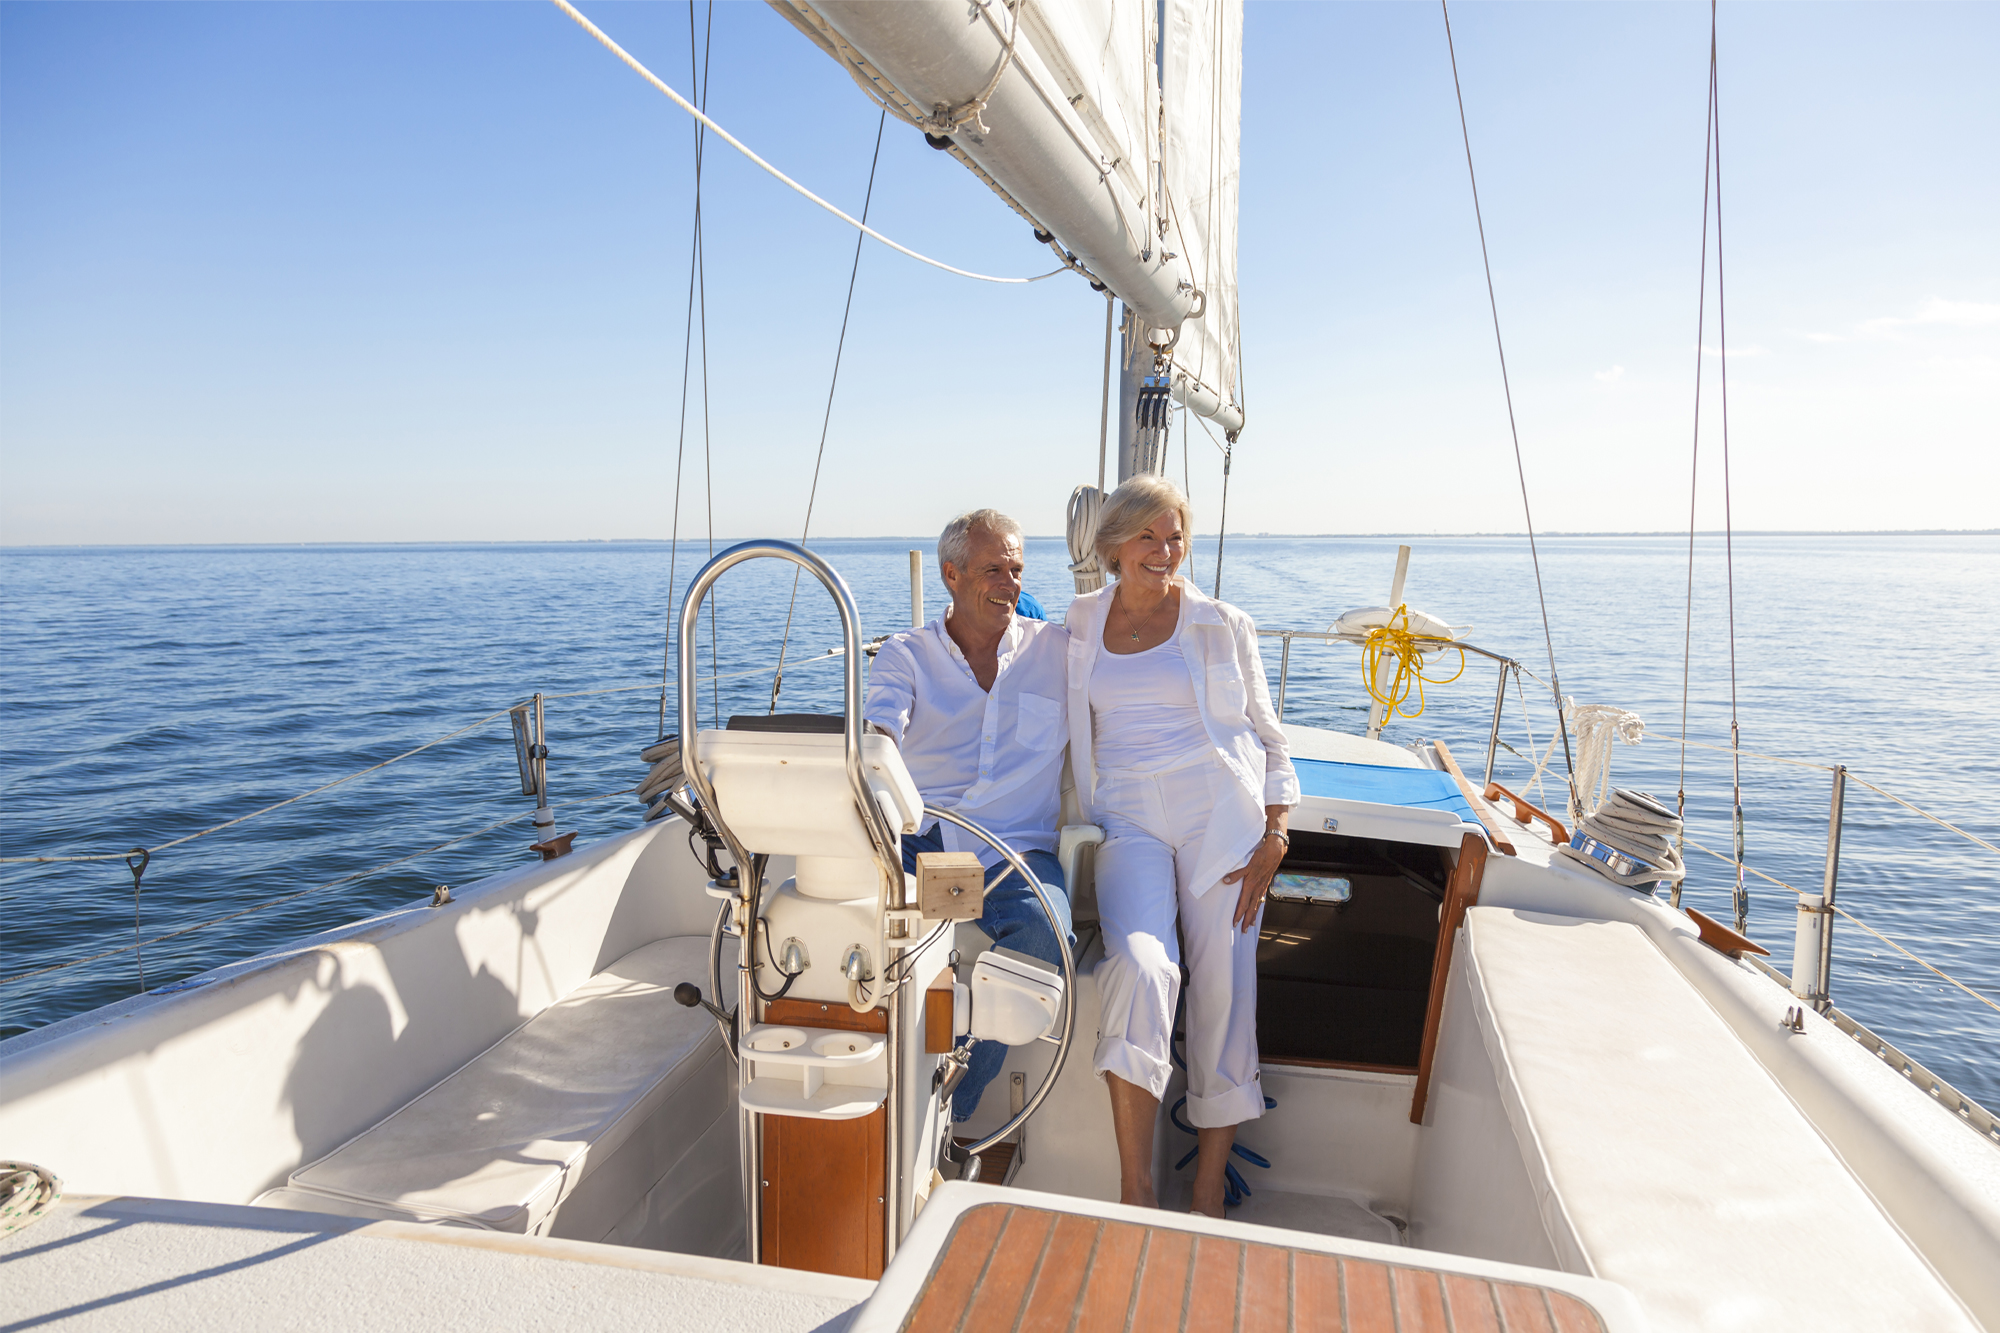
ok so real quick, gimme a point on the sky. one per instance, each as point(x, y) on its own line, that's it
point(316, 272)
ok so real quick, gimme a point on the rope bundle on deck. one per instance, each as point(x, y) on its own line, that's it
point(666, 777)
point(27, 1192)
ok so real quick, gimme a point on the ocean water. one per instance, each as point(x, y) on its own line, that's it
point(148, 693)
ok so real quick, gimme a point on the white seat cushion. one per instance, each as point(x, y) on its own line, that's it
point(1664, 1157)
point(503, 1141)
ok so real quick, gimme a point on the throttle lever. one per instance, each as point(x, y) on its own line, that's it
point(689, 994)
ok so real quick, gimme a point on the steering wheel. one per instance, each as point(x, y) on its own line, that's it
point(1041, 893)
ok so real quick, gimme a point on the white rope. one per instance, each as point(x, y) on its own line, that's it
point(744, 149)
point(1597, 726)
point(27, 1192)
point(1084, 502)
point(944, 120)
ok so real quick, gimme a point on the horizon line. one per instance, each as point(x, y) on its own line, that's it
point(697, 541)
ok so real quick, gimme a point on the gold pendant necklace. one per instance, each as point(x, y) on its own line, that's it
point(1136, 625)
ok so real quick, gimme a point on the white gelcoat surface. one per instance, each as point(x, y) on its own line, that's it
point(1471, 1193)
point(148, 1264)
point(1658, 1147)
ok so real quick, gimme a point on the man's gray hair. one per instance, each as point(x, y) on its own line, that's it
point(955, 542)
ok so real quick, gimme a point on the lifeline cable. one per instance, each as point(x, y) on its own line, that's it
point(744, 149)
point(292, 897)
point(1985, 1000)
point(826, 421)
point(1520, 468)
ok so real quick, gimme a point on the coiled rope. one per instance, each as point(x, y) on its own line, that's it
point(1629, 840)
point(27, 1192)
point(1396, 639)
point(1084, 504)
point(632, 62)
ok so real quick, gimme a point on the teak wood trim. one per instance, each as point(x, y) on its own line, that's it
point(824, 1183)
point(1475, 800)
point(836, 1014)
point(1721, 938)
point(1526, 811)
point(1462, 892)
point(938, 1001)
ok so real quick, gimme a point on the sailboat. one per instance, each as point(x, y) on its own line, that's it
point(1509, 1085)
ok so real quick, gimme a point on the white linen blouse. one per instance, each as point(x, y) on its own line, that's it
point(1219, 645)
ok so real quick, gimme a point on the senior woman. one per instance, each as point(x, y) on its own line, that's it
point(1179, 757)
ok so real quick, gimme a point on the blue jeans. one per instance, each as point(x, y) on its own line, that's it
point(1015, 921)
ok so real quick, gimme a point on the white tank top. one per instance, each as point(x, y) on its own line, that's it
point(1143, 714)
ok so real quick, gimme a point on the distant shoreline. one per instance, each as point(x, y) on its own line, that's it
point(927, 540)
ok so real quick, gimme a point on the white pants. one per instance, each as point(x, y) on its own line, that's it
point(1153, 829)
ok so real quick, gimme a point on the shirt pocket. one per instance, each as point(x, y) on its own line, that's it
point(1228, 696)
point(1039, 724)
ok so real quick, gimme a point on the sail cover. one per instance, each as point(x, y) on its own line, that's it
point(1113, 125)
point(1202, 94)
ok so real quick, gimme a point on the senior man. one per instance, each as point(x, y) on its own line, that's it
point(975, 700)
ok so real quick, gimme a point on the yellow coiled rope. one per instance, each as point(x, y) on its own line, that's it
point(1409, 649)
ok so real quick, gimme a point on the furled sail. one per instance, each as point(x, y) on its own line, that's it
point(1052, 102)
point(1119, 145)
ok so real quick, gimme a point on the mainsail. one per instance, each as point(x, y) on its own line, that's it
point(1202, 88)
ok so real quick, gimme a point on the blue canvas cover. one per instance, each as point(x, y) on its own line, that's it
point(1421, 788)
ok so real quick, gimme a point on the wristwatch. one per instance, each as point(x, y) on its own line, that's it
point(1280, 835)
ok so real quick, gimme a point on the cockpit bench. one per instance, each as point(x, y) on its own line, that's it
point(586, 1122)
point(1662, 1155)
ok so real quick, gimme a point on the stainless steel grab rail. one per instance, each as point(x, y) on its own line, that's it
point(886, 841)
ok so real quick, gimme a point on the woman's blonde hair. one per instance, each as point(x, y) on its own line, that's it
point(1131, 509)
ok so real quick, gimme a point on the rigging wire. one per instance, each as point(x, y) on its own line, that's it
point(1187, 487)
point(826, 421)
point(743, 148)
point(1104, 404)
point(1222, 523)
point(1740, 898)
point(1694, 466)
point(1520, 469)
point(687, 352)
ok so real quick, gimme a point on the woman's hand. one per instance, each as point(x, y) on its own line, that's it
point(1256, 874)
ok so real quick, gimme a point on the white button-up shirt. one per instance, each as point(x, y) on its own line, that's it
point(994, 756)
point(1219, 644)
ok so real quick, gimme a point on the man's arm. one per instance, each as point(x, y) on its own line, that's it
point(892, 691)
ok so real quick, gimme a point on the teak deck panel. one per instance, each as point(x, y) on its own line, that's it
point(1007, 1267)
